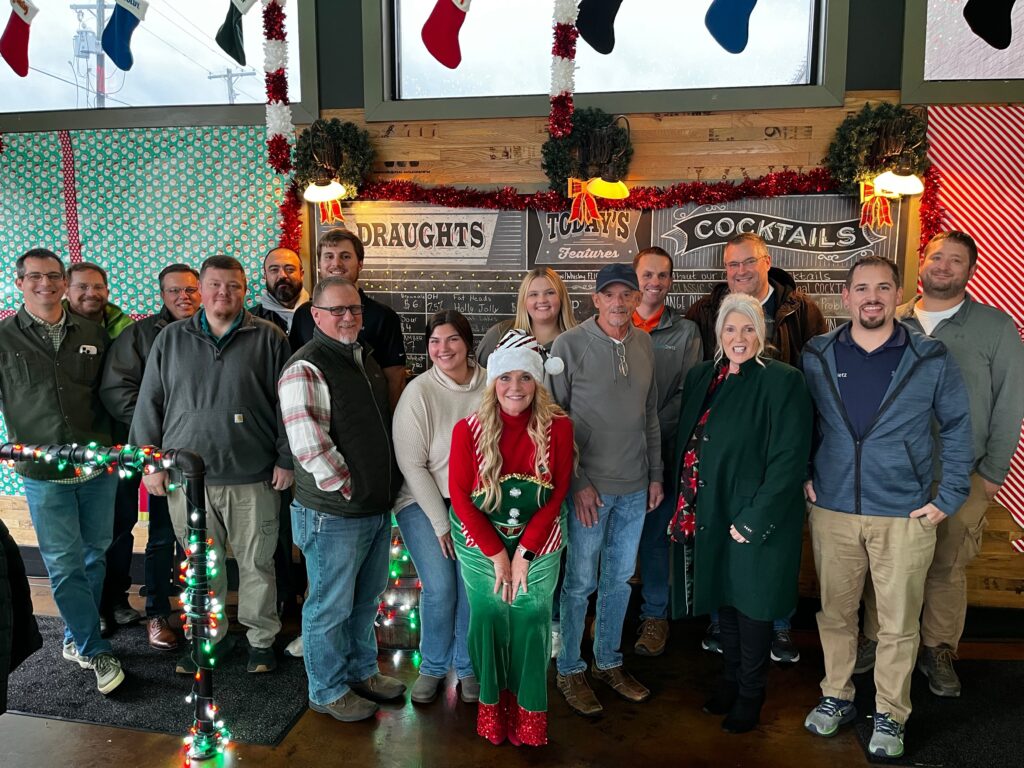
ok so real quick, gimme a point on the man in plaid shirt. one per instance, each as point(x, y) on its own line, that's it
point(334, 401)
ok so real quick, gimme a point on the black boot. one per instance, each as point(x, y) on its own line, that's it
point(744, 715)
point(723, 699)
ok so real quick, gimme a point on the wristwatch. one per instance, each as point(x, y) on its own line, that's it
point(528, 556)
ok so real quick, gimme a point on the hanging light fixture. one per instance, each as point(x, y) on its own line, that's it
point(608, 185)
point(901, 181)
point(325, 189)
point(891, 151)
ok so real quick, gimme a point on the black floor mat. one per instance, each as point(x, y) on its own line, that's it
point(257, 708)
point(981, 728)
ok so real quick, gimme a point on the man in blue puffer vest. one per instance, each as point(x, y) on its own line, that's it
point(878, 389)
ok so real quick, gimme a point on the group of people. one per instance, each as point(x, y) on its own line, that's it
point(529, 472)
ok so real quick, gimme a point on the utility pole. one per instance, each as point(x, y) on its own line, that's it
point(230, 76)
point(99, 8)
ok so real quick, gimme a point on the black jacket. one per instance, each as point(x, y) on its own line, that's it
point(19, 633)
point(126, 362)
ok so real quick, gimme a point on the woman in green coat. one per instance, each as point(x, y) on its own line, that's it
point(743, 442)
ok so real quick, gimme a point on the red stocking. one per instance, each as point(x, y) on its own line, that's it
point(441, 32)
point(14, 42)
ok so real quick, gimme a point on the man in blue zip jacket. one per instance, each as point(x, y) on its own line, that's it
point(878, 388)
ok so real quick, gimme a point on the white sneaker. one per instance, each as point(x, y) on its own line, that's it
point(556, 638)
point(108, 671)
point(294, 648)
point(70, 652)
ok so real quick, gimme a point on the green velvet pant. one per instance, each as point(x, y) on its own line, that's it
point(509, 645)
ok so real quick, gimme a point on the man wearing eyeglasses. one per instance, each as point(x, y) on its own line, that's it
point(283, 292)
point(334, 401)
point(791, 318)
point(50, 364)
point(122, 379)
point(340, 253)
point(211, 386)
point(609, 389)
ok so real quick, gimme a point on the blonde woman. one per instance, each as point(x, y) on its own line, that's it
point(543, 308)
point(508, 476)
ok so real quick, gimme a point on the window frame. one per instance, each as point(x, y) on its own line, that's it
point(380, 105)
point(914, 89)
point(185, 115)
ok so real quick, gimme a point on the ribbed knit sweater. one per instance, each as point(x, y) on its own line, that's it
point(427, 412)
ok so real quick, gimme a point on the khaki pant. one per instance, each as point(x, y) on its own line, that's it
point(957, 543)
point(897, 552)
point(246, 518)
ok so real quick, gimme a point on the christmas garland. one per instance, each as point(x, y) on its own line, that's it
point(816, 181)
point(357, 154)
point(561, 156)
point(931, 212)
point(275, 63)
point(850, 157)
point(563, 69)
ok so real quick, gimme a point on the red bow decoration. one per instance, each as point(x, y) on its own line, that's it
point(875, 211)
point(330, 212)
point(584, 204)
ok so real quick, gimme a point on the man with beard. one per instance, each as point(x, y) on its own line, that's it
point(89, 297)
point(879, 387)
point(119, 391)
point(610, 392)
point(984, 342)
point(340, 253)
point(283, 292)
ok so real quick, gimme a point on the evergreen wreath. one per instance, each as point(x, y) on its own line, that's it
point(563, 157)
point(857, 154)
point(357, 155)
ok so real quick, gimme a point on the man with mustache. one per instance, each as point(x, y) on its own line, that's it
point(122, 379)
point(790, 318)
point(609, 390)
point(283, 292)
point(985, 343)
point(879, 388)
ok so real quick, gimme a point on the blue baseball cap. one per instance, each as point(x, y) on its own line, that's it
point(617, 273)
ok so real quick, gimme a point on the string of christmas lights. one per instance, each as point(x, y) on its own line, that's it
point(201, 610)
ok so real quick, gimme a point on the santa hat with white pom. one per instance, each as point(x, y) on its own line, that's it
point(519, 351)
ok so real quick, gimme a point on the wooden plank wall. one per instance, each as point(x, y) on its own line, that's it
point(669, 147)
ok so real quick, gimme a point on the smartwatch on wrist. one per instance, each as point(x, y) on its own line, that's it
point(528, 556)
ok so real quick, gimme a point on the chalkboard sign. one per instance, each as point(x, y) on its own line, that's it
point(422, 258)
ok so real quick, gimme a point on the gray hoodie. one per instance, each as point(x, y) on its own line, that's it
point(615, 416)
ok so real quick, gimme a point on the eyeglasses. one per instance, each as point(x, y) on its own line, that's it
point(38, 277)
point(175, 292)
point(620, 350)
point(354, 309)
point(745, 264)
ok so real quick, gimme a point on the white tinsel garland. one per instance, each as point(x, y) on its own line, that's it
point(279, 119)
point(563, 78)
point(275, 55)
point(566, 11)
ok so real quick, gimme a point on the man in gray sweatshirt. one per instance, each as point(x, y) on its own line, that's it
point(211, 386)
point(609, 390)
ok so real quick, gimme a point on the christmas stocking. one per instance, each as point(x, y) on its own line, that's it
point(728, 21)
point(441, 32)
point(596, 23)
point(14, 42)
point(990, 20)
point(229, 36)
point(117, 37)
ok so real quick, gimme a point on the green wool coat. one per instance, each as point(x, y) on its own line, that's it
point(753, 461)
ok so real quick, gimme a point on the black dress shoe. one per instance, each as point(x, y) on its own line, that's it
point(722, 700)
point(744, 715)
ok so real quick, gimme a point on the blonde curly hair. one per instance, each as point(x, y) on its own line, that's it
point(544, 411)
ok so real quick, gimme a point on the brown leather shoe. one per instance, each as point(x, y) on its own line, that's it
point(578, 694)
point(621, 682)
point(161, 636)
point(653, 636)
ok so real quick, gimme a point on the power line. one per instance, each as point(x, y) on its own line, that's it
point(174, 48)
point(201, 41)
point(83, 87)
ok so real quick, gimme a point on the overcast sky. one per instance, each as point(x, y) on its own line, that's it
point(174, 51)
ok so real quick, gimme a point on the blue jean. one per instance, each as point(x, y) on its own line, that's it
point(778, 625)
point(347, 565)
point(444, 607)
point(612, 543)
point(654, 560)
point(74, 526)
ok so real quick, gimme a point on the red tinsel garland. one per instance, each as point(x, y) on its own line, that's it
point(565, 41)
point(279, 154)
point(277, 86)
point(815, 181)
point(273, 22)
point(931, 212)
point(291, 218)
point(560, 118)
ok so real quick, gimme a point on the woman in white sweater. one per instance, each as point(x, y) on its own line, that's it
point(430, 406)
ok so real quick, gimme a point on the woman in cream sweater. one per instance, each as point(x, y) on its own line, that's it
point(430, 406)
